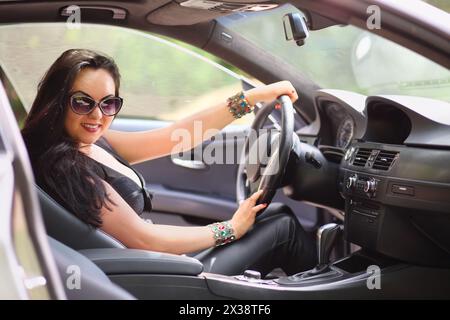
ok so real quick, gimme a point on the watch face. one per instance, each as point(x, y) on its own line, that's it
point(345, 133)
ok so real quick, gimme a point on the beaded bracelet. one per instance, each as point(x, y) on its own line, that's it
point(238, 105)
point(223, 232)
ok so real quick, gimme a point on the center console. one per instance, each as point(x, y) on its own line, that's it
point(397, 201)
point(361, 275)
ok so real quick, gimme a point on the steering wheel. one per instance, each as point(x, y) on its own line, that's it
point(266, 153)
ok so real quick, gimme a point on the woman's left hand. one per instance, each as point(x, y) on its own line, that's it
point(270, 92)
point(245, 215)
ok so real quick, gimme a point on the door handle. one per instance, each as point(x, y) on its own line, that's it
point(190, 164)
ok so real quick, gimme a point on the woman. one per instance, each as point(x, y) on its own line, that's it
point(86, 168)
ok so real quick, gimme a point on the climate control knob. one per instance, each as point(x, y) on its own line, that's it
point(370, 186)
point(351, 181)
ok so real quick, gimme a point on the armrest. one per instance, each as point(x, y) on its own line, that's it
point(133, 261)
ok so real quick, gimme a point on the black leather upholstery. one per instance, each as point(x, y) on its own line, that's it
point(132, 261)
point(68, 229)
point(93, 283)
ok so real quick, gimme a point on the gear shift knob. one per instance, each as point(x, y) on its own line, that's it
point(326, 236)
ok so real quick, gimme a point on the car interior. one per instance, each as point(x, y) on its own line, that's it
point(364, 152)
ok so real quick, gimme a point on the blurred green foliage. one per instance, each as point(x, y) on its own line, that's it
point(145, 64)
point(159, 76)
point(441, 4)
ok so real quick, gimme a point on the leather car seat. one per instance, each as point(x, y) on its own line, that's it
point(92, 284)
point(68, 229)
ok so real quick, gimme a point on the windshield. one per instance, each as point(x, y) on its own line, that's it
point(441, 4)
point(347, 58)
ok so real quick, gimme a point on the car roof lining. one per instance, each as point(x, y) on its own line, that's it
point(414, 32)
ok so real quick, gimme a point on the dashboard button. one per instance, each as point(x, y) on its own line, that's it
point(400, 189)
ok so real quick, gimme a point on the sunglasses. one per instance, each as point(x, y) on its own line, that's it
point(82, 104)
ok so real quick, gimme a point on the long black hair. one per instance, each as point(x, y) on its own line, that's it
point(65, 173)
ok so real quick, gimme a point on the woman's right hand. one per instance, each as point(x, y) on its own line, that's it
point(270, 92)
point(244, 217)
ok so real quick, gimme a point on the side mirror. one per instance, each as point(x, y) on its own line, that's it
point(295, 28)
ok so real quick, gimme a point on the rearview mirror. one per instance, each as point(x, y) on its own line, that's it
point(295, 28)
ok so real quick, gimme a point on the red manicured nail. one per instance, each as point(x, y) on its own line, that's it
point(278, 106)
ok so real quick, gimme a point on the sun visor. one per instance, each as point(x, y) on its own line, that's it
point(195, 11)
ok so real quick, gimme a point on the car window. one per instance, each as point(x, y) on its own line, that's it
point(441, 4)
point(346, 57)
point(16, 104)
point(160, 79)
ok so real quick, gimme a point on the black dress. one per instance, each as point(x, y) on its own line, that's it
point(138, 198)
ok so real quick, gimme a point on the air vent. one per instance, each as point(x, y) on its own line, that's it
point(384, 160)
point(361, 157)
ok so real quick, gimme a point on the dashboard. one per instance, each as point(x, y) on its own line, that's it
point(394, 175)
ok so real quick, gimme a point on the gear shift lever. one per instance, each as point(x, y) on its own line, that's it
point(326, 236)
